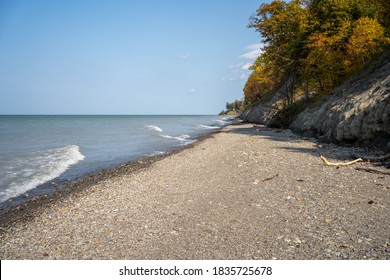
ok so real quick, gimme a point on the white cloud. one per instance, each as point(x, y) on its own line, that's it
point(192, 90)
point(246, 66)
point(240, 71)
point(236, 67)
point(254, 46)
point(253, 53)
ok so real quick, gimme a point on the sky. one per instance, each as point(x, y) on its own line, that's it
point(124, 57)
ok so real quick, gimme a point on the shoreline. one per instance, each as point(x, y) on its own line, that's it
point(10, 214)
point(244, 192)
point(38, 165)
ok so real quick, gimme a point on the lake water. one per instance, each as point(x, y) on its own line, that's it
point(37, 149)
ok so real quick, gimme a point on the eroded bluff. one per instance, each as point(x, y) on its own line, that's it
point(357, 112)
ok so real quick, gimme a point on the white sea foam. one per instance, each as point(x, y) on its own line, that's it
point(157, 153)
point(154, 128)
point(223, 122)
point(184, 139)
point(37, 168)
point(207, 126)
point(180, 138)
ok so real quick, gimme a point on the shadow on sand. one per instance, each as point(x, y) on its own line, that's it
point(328, 150)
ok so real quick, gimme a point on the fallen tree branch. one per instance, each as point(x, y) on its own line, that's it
point(374, 159)
point(372, 170)
point(327, 162)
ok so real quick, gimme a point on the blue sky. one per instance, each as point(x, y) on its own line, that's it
point(124, 57)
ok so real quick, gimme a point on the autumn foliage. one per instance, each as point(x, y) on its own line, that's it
point(317, 44)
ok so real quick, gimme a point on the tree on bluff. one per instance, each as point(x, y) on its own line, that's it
point(260, 82)
point(314, 44)
point(367, 36)
point(283, 27)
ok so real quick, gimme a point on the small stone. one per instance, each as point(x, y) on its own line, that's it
point(297, 240)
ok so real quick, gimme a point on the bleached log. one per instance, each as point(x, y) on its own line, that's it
point(327, 162)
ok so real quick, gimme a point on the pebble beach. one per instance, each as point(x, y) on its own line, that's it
point(244, 192)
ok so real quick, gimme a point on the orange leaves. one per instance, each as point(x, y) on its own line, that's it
point(280, 22)
point(340, 46)
point(259, 82)
point(323, 41)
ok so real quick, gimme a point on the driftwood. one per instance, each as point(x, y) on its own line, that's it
point(327, 162)
point(377, 161)
point(374, 159)
point(372, 170)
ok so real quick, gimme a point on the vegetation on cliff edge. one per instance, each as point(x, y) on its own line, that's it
point(312, 46)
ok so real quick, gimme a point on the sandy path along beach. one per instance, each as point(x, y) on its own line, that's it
point(245, 193)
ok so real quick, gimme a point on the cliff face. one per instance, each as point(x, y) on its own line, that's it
point(264, 112)
point(356, 112)
point(267, 108)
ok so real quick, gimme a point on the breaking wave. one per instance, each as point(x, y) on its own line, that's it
point(183, 139)
point(24, 174)
point(154, 128)
point(207, 126)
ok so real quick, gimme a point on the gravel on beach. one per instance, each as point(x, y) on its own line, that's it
point(246, 192)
